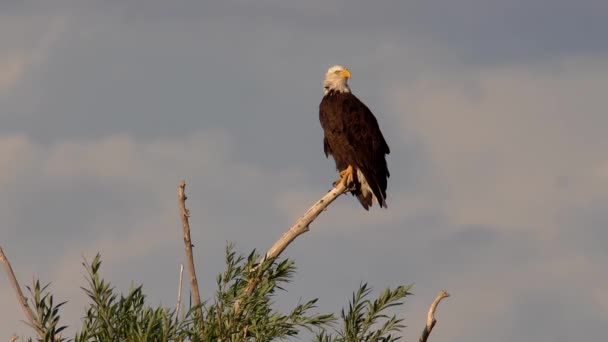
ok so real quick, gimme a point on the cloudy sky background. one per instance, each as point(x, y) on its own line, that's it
point(495, 112)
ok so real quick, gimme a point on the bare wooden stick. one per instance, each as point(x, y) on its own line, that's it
point(300, 227)
point(430, 319)
point(20, 297)
point(179, 291)
point(185, 214)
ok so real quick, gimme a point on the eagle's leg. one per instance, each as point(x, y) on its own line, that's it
point(346, 176)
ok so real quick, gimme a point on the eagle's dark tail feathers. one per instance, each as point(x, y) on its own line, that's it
point(366, 201)
point(378, 189)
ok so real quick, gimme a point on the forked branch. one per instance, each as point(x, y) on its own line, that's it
point(185, 215)
point(20, 297)
point(430, 319)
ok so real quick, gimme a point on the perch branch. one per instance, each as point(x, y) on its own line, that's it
point(430, 319)
point(185, 214)
point(22, 300)
point(300, 227)
point(179, 291)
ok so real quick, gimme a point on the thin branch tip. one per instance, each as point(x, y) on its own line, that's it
point(179, 291)
point(33, 322)
point(430, 319)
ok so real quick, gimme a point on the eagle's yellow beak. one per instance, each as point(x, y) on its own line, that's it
point(345, 73)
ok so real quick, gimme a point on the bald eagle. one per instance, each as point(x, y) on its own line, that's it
point(353, 138)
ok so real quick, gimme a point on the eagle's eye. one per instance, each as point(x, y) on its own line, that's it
point(337, 72)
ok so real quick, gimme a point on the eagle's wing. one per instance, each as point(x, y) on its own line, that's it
point(364, 135)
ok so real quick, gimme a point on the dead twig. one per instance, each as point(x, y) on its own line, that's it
point(185, 215)
point(20, 297)
point(179, 291)
point(430, 319)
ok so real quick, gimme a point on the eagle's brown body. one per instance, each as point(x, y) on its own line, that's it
point(353, 137)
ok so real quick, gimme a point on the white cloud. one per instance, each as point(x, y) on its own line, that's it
point(510, 147)
point(118, 158)
point(19, 53)
point(16, 154)
point(11, 71)
point(517, 149)
point(122, 158)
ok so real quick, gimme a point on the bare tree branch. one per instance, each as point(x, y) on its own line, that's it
point(20, 297)
point(185, 215)
point(430, 319)
point(300, 227)
point(179, 291)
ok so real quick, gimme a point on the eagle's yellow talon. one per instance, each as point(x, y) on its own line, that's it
point(346, 177)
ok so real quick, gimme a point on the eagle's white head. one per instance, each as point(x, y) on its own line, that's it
point(336, 78)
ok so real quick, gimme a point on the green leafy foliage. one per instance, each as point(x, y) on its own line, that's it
point(110, 317)
point(233, 314)
point(46, 312)
point(255, 320)
point(366, 320)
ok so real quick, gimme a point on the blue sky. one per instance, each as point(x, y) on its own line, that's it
point(494, 112)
